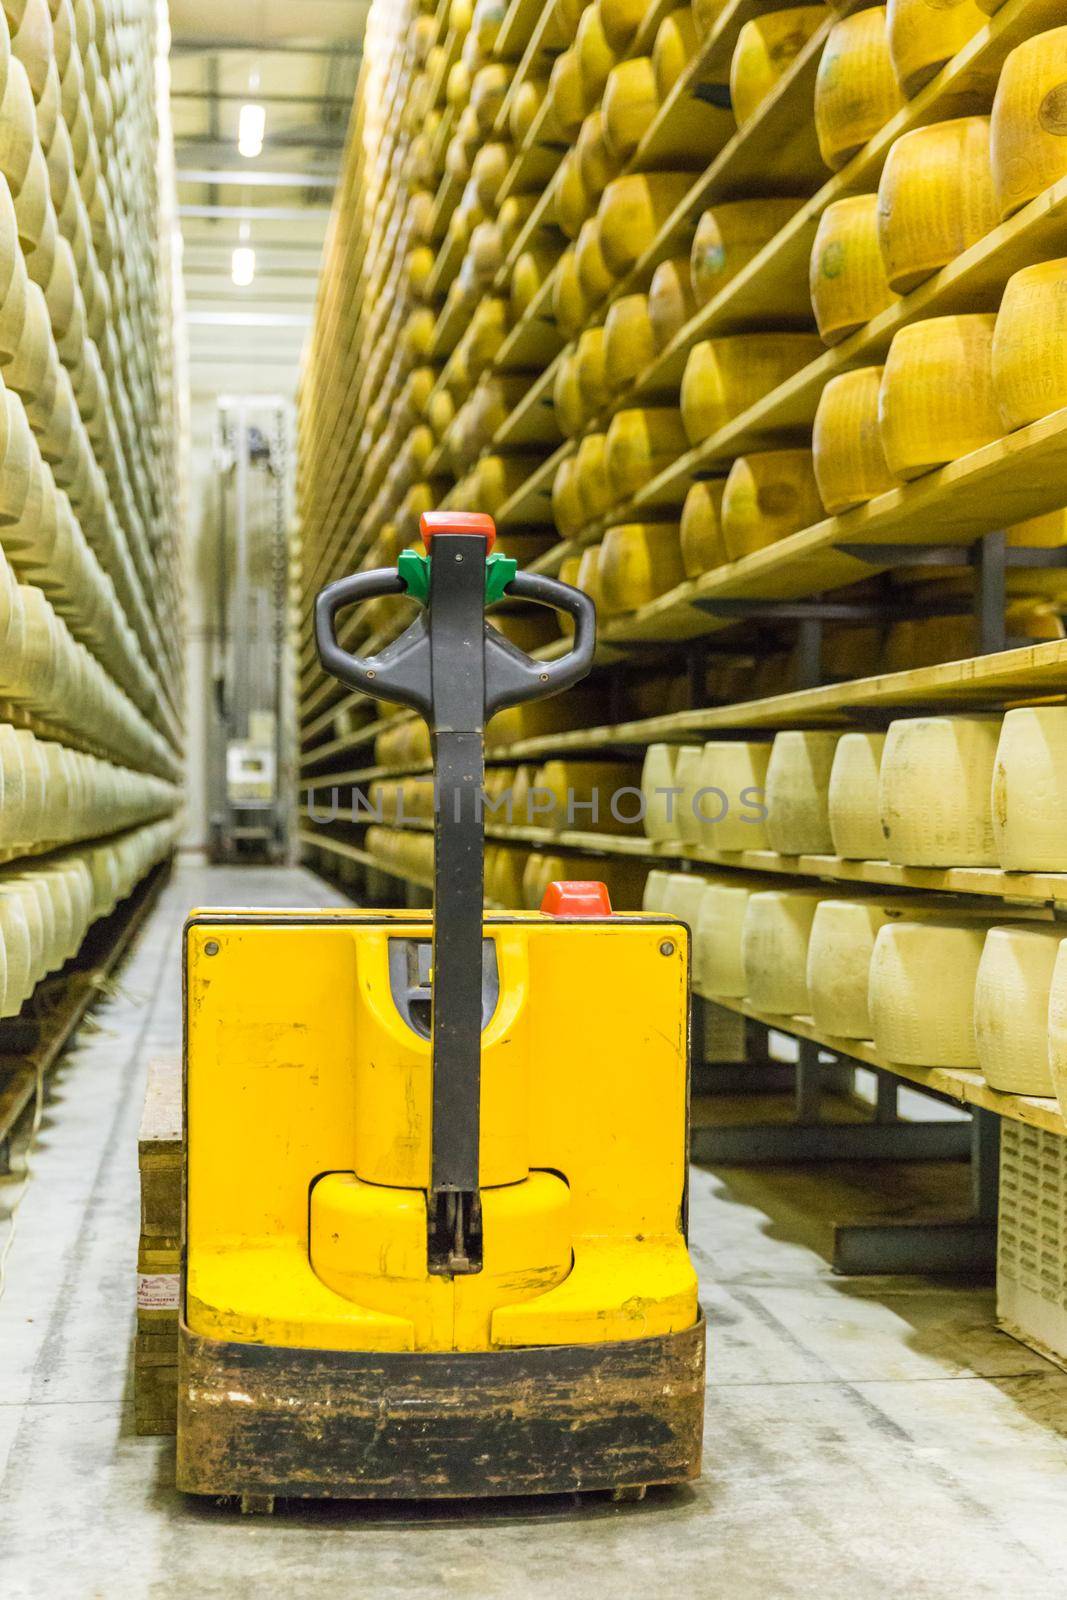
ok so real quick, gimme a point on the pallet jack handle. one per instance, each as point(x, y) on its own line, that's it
point(456, 671)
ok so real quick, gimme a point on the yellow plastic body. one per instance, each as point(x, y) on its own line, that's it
point(308, 1142)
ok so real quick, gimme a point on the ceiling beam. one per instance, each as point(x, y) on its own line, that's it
point(256, 179)
point(257, 213)
point(286, 139)
point(244, 95)
point(193, 46)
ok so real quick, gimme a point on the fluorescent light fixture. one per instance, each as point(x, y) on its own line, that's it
point(244, 266)
point(251, 126)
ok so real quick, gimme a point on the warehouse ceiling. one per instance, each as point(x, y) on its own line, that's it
point(299, 61)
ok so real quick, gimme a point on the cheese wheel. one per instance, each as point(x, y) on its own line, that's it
point(596, 163)
point(589, 573)
point(640, 443)
point(628, 341)
point(497, 478)
point(730, 799)
point(631, 212)
point(774, 949)
point(921, 993)
point(526, 101)
point(766, 48)
point(620, 20)
point(533, 269)
point(856, 89)
point(654, 892)
point(706, 14)
point(568, 301)
point(589, 363)
point(935, 198)
point(638, 562)
point(566, 96)
point(1030, 344)
point(798, 792)
point(723, 377)
point(671, 302)
point(1057, 1029)
point(1029, 796)
point(846, 442)
point(936, 402)
point(488, 87)
point(839, 964)
point(687, 779)
point(591, 471)
point(924, 34)
point(852, 798)
point(568, 510)
point(700, 533)
point(573, 204)
point(567, 400)
point(595, 280)
point(1028, 137)
point(934, 791)
point(729, 236)
point(683, 895)
point(675, 47)
point(657, 786)
point(768, 497)
point(846, 275)
point(584, 795)
point(1011, 1008)
point(718, 968)
point(630, 103)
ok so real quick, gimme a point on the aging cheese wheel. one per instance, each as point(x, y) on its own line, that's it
point(629, 346)
point(591, 472)
point(584, 795)
point(839, 964)
point(936, 401)
point(766, 48)
point(700, 534)
point(1011, 1008)
point(568, 302)
point(856, 90)
point(654, 891)
point(573, 203)
point(767, 497)
point(589, 362)
point(661, 804)
point(717, 965)
point(935, 198)
point(852, 799)
point(798, 792)
point(682, 896)
point(567, 399)
point(1030, 345)
point(596, 163)
point(774, 949)
point(670, 300)
point(595, 54)
point(526, 102)
point(568, 511)
point(846, 442)
point(706, 14)
point(731, 794)
point(1029, 797)
point(565, 96)
point(934, 791)
point(595, 279)
point(589, 573)
point(676, 46)
point(638, 562)
point(847, 271)
point(640, 443)
point(729, 236)
point(632, 210)
point(621, 20)
point(631, 101)
point(723, 377)
point(921, 993)
point(924, 34)
point(488, 88)
point(533, 269)
point(1028, 137)
point(687, 778)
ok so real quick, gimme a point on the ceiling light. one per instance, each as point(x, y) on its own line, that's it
point(251, 126)
point(243, 269)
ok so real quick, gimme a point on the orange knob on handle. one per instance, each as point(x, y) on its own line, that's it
point(472, 522)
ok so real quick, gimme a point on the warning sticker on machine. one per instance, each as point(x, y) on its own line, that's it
point(157, 1291)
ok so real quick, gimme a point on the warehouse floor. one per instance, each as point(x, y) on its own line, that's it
point(864, 1438)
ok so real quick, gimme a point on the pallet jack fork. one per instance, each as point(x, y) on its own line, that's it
point(434, 1230)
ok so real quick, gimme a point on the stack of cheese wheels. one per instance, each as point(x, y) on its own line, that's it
point(852, 797)
point(587, 795)
point(935, 198)
point(732, 781)
point(1028, 143)
point(723, 377)
point(847, 276)
point(700, 532)
point(766, 498)
point(774, 949)
point(797, 792)
point(728, 237)
point(916, 1021)
point(718, 965)
point(848, 458)
point(766, 48)
point(1029, 794)
point(934, 788)
point(924, 34)
point(1011, 1007)
point(936, 401)
point(856, 90)
point(638, 562)
point(1029, 345)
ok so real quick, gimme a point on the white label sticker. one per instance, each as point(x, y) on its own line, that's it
point(157, 1291)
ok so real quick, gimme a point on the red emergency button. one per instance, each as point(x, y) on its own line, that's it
point(572, 897)
point(472, 522)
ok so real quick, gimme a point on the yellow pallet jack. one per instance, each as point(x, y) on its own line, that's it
point(435, 1182)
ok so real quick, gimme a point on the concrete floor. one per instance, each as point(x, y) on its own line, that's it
point(865, 1438)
